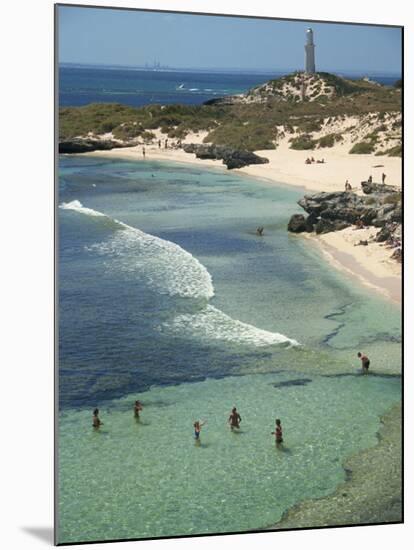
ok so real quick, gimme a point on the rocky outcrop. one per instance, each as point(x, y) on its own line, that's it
point(382, 208)
point(397, 255)
point(232, 158)
point(86, 145)
point(369, 187)
point(340, 209)
point(297, 224)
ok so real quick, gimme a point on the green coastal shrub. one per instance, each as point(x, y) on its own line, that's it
point(251, 137)
point(329, 140)
point(127, 131)
point(394, 151)
point(303, 142)
point(362, 148)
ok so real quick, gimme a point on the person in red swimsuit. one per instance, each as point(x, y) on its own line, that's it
point(278, 432)
point(365, 362)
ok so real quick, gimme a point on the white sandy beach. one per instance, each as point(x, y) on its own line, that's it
point(370, 264)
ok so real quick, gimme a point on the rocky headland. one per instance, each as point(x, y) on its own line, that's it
point(87, 145)
point(380, 206)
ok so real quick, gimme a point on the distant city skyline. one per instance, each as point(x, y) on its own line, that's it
point(131, 38)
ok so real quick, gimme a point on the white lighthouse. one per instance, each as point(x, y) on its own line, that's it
point(309, 52)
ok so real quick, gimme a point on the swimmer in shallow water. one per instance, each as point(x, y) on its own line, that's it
point(278, 432)
point(96, 421)
point(197, 429)
point(234, 419)
point(137, 408)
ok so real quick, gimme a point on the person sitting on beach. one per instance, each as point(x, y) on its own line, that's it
point(197, 429)
point(234, 419)
point(308, 161)
point(359, 224)
point(278, 432)
point(137, 408)
point(364, 361)
point(96, 421)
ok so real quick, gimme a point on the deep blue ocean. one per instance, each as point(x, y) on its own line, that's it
point(83, 85)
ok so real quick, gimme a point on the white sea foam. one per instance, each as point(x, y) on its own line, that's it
point(78, 207)
point(213, 324)
point(172, 270)
point(166, 265)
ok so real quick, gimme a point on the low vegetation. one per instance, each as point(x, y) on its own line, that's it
point(362, 148)
point(393, 151)
point(329, 140)
point(250, 125)
point(302, 142)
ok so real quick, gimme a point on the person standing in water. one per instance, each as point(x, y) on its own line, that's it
point(197, 429)
point(234, 419)
point(137, 408)
point(278, 432)
point(364, 361)
point(96, 421)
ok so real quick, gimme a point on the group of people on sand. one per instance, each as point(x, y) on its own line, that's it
point(233, 420)
point(174, 145)
point(311, 160)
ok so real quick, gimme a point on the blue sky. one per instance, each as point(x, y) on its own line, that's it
point(117, 37)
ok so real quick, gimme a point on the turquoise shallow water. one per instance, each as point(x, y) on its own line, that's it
point(167, 294)
point(150, 479)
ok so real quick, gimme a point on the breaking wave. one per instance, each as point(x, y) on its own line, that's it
point(172, 270)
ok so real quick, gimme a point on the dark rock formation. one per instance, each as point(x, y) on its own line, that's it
point(383, 235)
point(85, 145)
point(335, 211)
point(397, 255)
point(326, 226)
point(368, 187)
point(232, 158)
point(297, 224)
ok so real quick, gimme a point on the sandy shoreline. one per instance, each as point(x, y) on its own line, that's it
point(371, 265)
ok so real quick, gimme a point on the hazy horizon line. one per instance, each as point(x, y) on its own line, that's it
point(248, 70)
